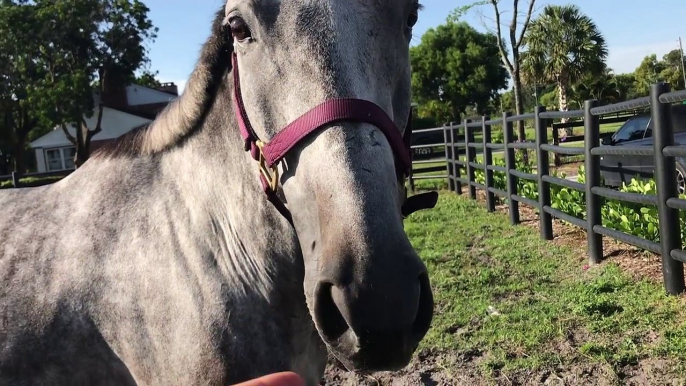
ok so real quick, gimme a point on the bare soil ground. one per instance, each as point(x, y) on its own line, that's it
point(570, 169)
point(446, 369)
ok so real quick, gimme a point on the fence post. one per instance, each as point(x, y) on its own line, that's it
point(510, 163)
point(665, 179)
point(449, 165)
point(455, 156)
point(16, 176)
point(488, 161)
point(470, 157)
point(592, 173)
point(542, 169)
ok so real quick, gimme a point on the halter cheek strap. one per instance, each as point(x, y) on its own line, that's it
point(333, 110)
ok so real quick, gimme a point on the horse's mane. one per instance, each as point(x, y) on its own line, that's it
point(184, 115)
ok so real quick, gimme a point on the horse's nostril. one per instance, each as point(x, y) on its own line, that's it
point(327, 315)
point(425, 309)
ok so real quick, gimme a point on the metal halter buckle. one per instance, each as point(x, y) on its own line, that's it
point(270, 174)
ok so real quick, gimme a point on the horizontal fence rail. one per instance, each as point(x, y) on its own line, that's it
point(460, 168)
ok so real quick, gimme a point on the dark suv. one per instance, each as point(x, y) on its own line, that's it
point(637, 131)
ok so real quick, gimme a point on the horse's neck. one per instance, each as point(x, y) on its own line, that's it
point(220, 187)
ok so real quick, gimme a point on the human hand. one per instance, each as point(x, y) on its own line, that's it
point(278, 379)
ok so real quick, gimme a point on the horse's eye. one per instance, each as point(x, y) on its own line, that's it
point(412, 19)
point(239, 29)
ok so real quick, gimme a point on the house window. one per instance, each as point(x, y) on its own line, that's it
point(60, 158)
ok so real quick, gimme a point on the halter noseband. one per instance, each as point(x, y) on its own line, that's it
point(269, 154)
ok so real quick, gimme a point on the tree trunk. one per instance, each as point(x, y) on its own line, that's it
point(564, 105)
point(519, 109)
point(18, 155)
point(21, 128)
point(83, 139)
point(455, 113)
point(83, 144)
point(513, 66)
point(519, 103)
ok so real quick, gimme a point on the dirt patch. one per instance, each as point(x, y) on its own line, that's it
point(569, 169)
point(568, 345)
point(652, 372)
point(447, 369)
point(426, 369)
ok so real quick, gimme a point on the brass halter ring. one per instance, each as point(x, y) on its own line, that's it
point(270, 174)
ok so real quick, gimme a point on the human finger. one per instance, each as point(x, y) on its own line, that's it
point(286, 378)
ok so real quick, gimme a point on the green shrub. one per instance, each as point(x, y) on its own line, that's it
point(497, 136)
point(634, 219)
point(637, 219)
point(570, 201)
point(525, 188)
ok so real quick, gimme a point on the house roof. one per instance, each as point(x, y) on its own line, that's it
point(114, 124)
point(140, 95)
point(143, 103)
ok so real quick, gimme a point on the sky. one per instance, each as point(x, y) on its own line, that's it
point(632, 28)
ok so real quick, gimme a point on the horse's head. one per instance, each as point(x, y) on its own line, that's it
point(366, 288)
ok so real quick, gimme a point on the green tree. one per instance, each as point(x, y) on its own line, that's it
point(563, 45)
point(455, 66)
point(97, 47)
point(673, 63)
point(549, 100)
point(435, 109)
point(529, 96)
point(647, 73)
point(148, 79)
point(56, 54)
point(625, 86)
point(21, 70)
point(603, 87)
point(652, 70)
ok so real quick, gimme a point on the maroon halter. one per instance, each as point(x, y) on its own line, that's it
point(344, 109)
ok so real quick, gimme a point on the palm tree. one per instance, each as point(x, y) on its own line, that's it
point(603, 87)
point(562, 46)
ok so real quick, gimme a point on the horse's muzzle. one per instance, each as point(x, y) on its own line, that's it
point(374, 330)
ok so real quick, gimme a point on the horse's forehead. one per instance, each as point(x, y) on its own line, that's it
point(270, 9)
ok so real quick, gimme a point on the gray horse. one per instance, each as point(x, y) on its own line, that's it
point(162, 261)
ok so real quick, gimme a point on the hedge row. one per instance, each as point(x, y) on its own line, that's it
point(635, 219)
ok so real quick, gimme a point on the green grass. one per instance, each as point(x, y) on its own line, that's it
point(31, 181)
point(544, 297)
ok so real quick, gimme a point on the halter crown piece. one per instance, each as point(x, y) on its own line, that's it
point(269, 154)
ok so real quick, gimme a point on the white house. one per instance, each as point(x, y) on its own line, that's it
point(124, 110)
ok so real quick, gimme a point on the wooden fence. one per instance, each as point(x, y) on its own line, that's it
point(460, 172)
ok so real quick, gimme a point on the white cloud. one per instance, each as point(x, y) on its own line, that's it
point(623, 59)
